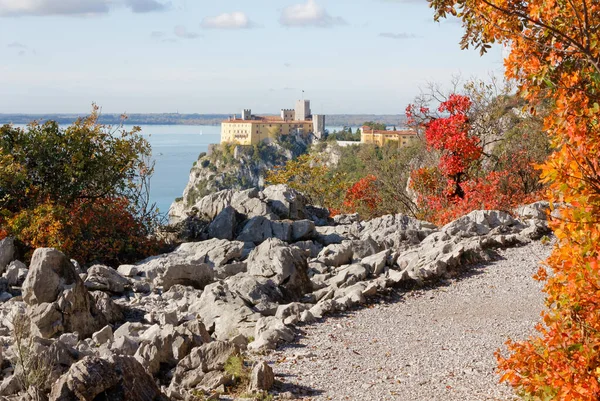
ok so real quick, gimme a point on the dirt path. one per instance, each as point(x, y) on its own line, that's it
point(434, 344)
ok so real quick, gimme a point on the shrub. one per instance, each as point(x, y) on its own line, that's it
point(81, 189)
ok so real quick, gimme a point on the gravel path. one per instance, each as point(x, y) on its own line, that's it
point(432, 344)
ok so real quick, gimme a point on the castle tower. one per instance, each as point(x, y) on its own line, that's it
point(302, 110)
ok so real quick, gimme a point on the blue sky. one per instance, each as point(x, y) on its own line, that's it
point(358, 56)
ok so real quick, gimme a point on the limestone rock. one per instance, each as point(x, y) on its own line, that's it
point(58, 298)
point(104, 278)
point(16, 272)
point(286, 202)
point(224, 313)
point(192, 369)
point(336, 254)
point(7, 252)
point(262, 378)
point(283, 264)
point(269, 332)
point(118, 378)
point(224, 224)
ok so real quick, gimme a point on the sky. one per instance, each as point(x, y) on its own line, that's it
point(200, 56)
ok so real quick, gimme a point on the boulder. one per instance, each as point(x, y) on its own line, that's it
point(224, 312)
point(105, 305)
point(246, 202)
point(303, 230)
point(376, 263)
point(262, 378)
point(104, 278)
point(7, 252)
point(103, 336)
point(259, 229)
point(536, 210)
point(263, 293)
point(57, 298)
point(285, 202)
point(285, 265)
point(479, 222)
point(117, 378)
point(190, 264)
point(192, 369)
point(269, 332)
point(16, 272)
point(392, 231)
point(336, 254)
point(224, 224)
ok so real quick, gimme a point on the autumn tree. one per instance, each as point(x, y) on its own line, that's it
point(82, 189)
point(555, 54)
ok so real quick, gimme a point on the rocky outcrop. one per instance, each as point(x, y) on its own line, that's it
point(57, 299)
point(188, 312)
point(118, 378)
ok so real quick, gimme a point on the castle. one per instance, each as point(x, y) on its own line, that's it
point(249, 129)
point(380, 137)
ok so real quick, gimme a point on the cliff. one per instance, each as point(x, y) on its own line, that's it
point(234, 167)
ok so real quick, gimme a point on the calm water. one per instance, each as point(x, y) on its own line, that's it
point(175, 148)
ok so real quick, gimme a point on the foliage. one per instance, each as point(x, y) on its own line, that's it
point(375, 126)
point(310, 176)
point(83, 189)
point(555, 53)
point(362, 197)
point(467, 178)
point(345, 135)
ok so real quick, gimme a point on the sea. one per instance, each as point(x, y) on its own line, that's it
point(175, 148)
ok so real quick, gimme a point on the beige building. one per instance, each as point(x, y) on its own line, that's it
point(251, 130)
point(380, 137)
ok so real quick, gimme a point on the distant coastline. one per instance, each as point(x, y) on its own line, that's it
point(351, 120)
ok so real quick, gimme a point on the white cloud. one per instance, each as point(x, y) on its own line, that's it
point(74, 7)
point(181, 32)
point(402, 35)
point(235, 20)
point(308, 14)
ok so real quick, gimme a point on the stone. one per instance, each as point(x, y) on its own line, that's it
point(286, 266)
point(376, 263)
point(479, 222)
point(336, 254)
point(263, 293)
point(262, 378)
point(303, 230)
point(128, 270)
point(269, 332)
point(258, 229)
point(285, 202)
point(16, 272)
point(192, 369)
point(105, 305)
point(290, 313)
point(104, 278)
point(395, 231)
point(224, 313)
point(313, 248)
point(50, 273)
point(346, 219)
point(190, 264)
point(536, 210)
point(117, 378)
point(224, 224)
point(124, 345)
point(7, 252)
point(247, 203)
point(57, 298)
point(364, 248)
point(103, 336)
